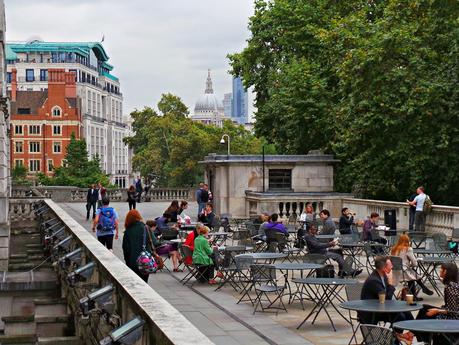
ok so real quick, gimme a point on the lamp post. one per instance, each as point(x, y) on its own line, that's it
point(222, 141)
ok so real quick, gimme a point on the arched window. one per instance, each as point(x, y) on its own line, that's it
point(56, 111)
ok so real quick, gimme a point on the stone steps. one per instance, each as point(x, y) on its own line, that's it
point(58, 341)
point(21, 267)
point(27, 339)
point(39, 325)
point(34, 246)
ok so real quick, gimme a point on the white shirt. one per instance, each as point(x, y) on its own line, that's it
point(420, 199)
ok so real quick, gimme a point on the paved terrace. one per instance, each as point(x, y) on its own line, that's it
point(217, 315)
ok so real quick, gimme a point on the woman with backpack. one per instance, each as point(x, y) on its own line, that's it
point(106, 223)
point(133, 241)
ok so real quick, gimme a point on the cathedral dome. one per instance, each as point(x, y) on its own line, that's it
point(208, 102)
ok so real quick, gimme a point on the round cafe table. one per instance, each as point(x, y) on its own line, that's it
point(448, 328)
point(267, 257)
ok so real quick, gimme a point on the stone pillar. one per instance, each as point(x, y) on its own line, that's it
point(4, 149)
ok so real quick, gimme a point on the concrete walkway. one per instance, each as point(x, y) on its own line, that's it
point(225, 323)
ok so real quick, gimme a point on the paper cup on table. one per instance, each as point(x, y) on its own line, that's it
point(382, 297)
point(409, 299)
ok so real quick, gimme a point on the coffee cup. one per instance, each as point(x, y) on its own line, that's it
point(409, 299)
point(382, 297)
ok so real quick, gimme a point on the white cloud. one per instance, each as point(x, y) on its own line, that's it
point(156, 46)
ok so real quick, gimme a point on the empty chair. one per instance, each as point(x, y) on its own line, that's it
point(440, 241)
point(353, 293)
point(376, 335)
point(265, 283)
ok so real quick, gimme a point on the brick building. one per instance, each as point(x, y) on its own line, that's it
point(42, 122)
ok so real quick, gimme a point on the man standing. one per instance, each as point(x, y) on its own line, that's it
point(106, 223)
point(412, 212)
point(138, 188)
point(419, 217)
point(101, 195)
point(91, 201)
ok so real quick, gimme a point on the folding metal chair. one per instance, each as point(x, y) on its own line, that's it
point(265, 283)
point(353, 293)
point(377, 335)
point(193, 271)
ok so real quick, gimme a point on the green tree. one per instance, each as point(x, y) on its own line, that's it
point(373, 82)
point(19, 175)
point(78, 171)
point(169, 145)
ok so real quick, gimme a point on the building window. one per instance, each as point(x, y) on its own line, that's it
point(18, 147)
point(43, 75)
point(34, 165)
point(18, 129)
point(57, 147)
point(50, 165)
point(23, 111)
point(64, 163)
point(34, 147)
point(56, 111)
point(18, 162)
point(76, 73)
point(280, 179)
point(34, 129)
point(57, 130)
point(29, 75)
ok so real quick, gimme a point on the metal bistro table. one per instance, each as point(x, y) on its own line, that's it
point(448, 328)
point(428, 267)
point(268, 258)
point(287, 267)
point(433, 252)
point(322, 292)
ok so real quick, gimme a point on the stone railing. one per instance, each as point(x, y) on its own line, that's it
point(441, 219)
point(131, 296)
point(75, 194)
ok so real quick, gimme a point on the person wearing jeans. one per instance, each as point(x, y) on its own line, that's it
point(420, 216)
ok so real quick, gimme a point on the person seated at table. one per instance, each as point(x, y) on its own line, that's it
point(167, 248)
point(328, 227)
point(450, 310)
point(370, 233)
point(162, 222)
point(264, 219)
point(276, 225)
point(308, 216)
point(316, 247)
point(381, 281)
point(202, 257)
point(409, 262)
point(189, 242)
point(173, 210)
point(207, 215)
point(346, 221)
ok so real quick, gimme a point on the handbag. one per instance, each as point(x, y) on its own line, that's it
point(145, 261)
point(159, 260)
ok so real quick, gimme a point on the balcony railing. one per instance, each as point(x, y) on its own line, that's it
point(89, 269)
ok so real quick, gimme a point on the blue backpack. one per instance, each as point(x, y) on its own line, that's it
point(106, 222)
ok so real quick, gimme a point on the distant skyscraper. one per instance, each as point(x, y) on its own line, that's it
point(240, 104)
point(227, 104)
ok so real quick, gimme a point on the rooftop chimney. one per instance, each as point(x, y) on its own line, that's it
point(56, 83)
point(70, 85)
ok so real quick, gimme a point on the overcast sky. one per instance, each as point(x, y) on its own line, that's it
point(156, 46)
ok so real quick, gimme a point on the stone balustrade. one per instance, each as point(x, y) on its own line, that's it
point(289, 205)
point(75, 194)
point(131, 295)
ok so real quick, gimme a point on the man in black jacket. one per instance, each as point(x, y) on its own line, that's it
point(316, 247)
point(91, 201)
point(378, 282)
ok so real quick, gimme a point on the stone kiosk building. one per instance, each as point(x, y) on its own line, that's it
point(236, 182)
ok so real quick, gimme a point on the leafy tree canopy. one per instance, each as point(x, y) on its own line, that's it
point(79, 170)
point(374, 82)
point(168, 145)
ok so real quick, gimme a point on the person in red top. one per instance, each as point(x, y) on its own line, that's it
point(189, 241)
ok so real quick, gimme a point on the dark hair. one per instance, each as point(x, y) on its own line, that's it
point(374, 215)
point(183, 203)
point(210, 204)
point(167, 215)
point(274, 217)
point(131, 188)
point(151, 223)
point(380, 262)
point(309, 227)
point(105, 200)
point(173, 207)
point(325, 212)
point(451, 273)
point(344, 210)
point(307, 204)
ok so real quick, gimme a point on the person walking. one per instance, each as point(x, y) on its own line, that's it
point(199, 195)
point(102, 193)
point(131, 197)
point(106, 223)
point(138, 188)
point(91, 201)
point(134, 233)
point(420, 216)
